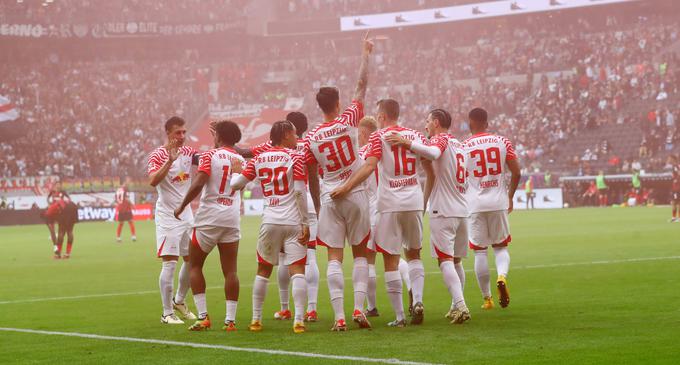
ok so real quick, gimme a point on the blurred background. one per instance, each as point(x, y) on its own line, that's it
point(579, 86)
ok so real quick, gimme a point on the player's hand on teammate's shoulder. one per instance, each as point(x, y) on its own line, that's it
point(236, 166)
point(396, 139)
point(303, 238)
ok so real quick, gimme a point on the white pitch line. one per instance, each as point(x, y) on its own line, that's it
point(217, 347)
point(525, 267)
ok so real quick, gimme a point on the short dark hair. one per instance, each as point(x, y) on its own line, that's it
point(442, 116)
point(478, 115)
point(390, 107)
point(228, 132)
point(328, 98)
point(173, 121)
point(299, 120)
point(279, 129)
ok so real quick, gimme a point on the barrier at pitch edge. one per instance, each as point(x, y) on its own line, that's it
point(543, 199)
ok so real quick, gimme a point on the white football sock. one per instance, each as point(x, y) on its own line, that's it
point(165, 281)
point(312, 277)
point(201, 305)
point(502, 260)
point(416, 273)
point(452, 283)
point(183, 283)
point(231, 310)
point(284, 282)
point(403, 270)
point(371, 288)
point(360, 282)
point(394, 287)
point(299, 295)
point(259, 292)
point(336, 287)
point(460, 270)
point(482, 272)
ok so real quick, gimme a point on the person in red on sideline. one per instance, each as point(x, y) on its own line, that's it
point(124, 212)
point(55, 204)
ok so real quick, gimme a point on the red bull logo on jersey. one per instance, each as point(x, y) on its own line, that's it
point(180, 178)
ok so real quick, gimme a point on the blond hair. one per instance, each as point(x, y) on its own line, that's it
point(369, 123)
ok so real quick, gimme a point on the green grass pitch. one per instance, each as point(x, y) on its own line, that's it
point(587, 286)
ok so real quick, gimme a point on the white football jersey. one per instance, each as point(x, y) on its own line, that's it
point(487, 156)
point(277, 170)
point(266, 146)
point(448, 193)
point(371, 183)
point(335, 147)
point(399, 189)
point(219, 205)
point(172, 189)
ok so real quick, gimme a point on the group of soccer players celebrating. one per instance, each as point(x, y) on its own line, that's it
point(360, 176)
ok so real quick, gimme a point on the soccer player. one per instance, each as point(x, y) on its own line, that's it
point(445, 191)
point(55, 204)
point(299, 120)
point(489, 159)
point(217, 222)
point(675, 188)
point(367, 126)
point(124, 212)
point(281, 172)
point(169, 172)
point(332, 148)
point(602, 189)
point(400, 206)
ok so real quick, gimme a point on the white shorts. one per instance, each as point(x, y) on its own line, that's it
point(347, 218)
point(397, 230)
point(371, 241)
point(448, 237)
point(489, 228)
point(313, 224)
point(173, 241)
point(275, 238)
point(207, 237)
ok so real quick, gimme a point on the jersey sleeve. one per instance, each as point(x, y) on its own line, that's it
point(353, 114)
point(299, 170)
point(509, 150)
point(205, 162)
point(249, 172)
point(375, 146)
point(156, 160)
point(308, 157)
point(439, 142)
point(260, 148)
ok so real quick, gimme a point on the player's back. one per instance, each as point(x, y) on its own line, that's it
point(334, 146)
point(399, 189)
point(219, 204)
point(277, 169)
point(487, 156)
point(448, 193)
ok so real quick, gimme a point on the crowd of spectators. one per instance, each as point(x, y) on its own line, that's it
point(334, 8)
point(92, 11)
point(89, 119)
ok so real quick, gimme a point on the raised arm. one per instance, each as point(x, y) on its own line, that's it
point(157, 176)
point(360, 91)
